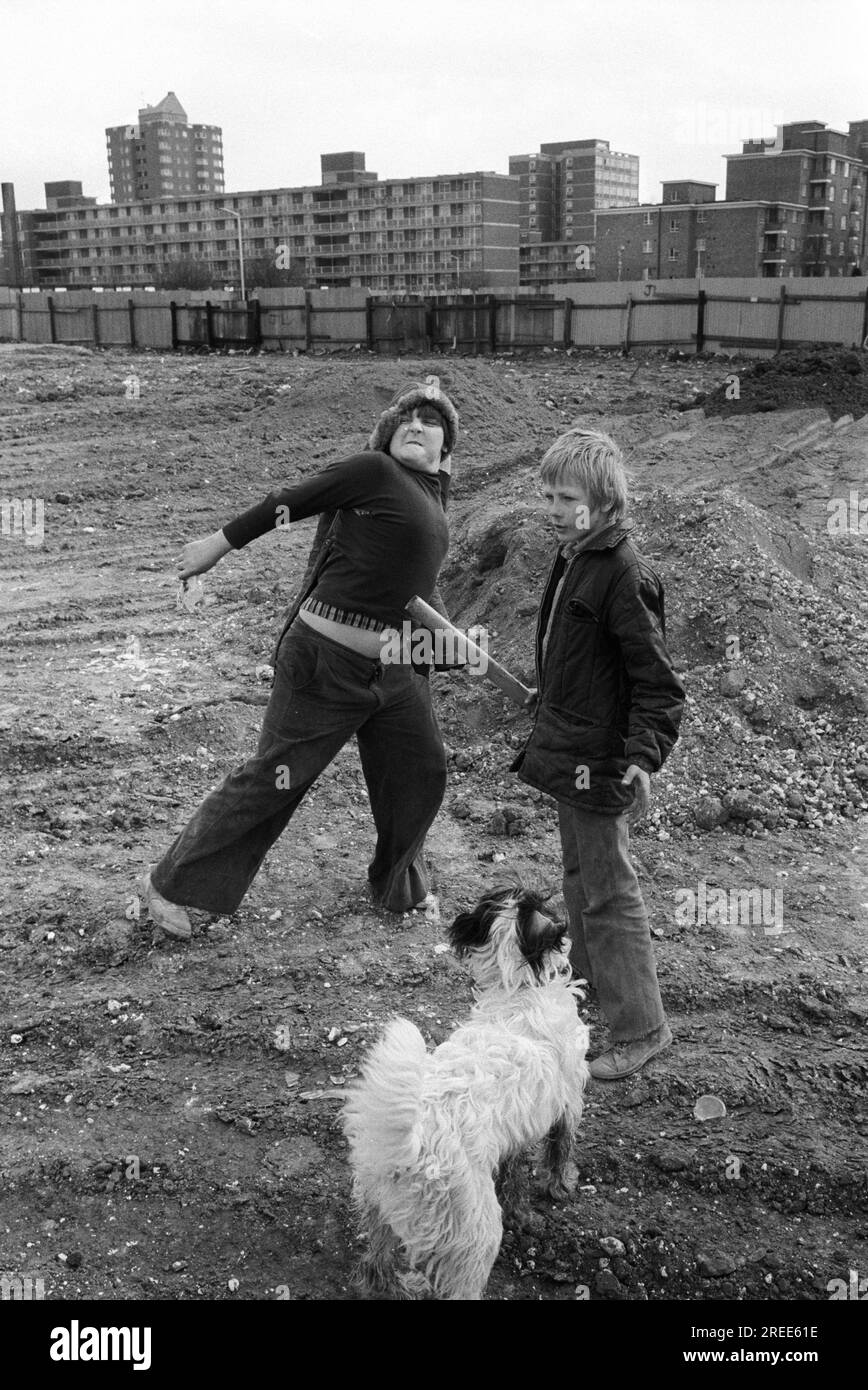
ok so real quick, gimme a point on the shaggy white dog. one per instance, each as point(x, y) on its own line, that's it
point(430, 1132)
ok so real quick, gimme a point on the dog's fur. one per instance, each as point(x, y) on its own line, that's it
point(429, 1132)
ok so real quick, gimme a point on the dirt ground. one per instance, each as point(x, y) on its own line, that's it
point(170, 1111)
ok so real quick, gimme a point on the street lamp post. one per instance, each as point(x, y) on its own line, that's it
point(237, 216)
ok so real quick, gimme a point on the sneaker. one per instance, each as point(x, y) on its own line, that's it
point(170, 916)
point(429, 908)
point(625, 1058)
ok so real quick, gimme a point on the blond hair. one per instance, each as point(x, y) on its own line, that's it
point(594, 460)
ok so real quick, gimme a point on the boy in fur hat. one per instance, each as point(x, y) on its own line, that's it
point(387, 538)
point(608, 708)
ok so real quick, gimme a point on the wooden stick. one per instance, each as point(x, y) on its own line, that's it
point(466, 650)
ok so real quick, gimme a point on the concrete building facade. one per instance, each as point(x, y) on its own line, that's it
point(560, 189)
point(164, 156)
point(419, 235)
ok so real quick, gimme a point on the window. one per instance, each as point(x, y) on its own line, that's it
point(673, 253)
point(647, 247)
point(673, 224)
point(647, 219)
point(792, 243)
point(701, 216)
point(832, 166)
point(700, 243)
point(843, 224)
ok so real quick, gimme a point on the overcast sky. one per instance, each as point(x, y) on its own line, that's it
point(454, 86)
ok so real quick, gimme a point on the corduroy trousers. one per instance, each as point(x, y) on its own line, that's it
point(323, 694)
point(611, 938)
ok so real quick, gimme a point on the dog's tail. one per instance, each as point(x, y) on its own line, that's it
point(383, 1109)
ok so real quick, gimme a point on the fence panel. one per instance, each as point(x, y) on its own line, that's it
point(597, 325)
point(191, 328)
point(663, 323)
point(743, 323)
point(232, 325)
point(338, 317)
point(151, 322)
point(461, 325)
point(401, 327)
point(36, 320)
point(114, 324)
point(73, 323)
point(529, 323)
point(824, 321)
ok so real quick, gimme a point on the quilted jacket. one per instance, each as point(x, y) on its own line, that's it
point(608, 693)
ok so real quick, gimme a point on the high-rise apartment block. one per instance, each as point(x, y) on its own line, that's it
point(164, 156)
point(560, 189)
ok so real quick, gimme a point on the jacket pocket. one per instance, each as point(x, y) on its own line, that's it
point(580, 612)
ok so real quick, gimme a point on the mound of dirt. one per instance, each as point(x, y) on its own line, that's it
point(834, 377)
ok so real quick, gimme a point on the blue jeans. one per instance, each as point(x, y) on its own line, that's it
point(611, 941)
point(323, 694)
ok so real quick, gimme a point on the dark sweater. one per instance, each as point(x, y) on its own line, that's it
point(389, 541)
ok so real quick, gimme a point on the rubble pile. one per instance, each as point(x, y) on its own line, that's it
point(815, 375)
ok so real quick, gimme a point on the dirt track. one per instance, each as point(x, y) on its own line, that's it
point(169, 1111)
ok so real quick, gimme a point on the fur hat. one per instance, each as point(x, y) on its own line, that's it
point(410, 398)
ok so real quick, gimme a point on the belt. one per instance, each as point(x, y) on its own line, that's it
point(341, 615)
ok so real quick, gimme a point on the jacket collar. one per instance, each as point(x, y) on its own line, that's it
point(606, 538)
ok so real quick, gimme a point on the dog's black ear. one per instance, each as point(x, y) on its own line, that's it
point(538, 936)
point(470, 930)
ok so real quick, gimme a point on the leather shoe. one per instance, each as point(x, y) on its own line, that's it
point(626, 1058)
point(170, 916)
